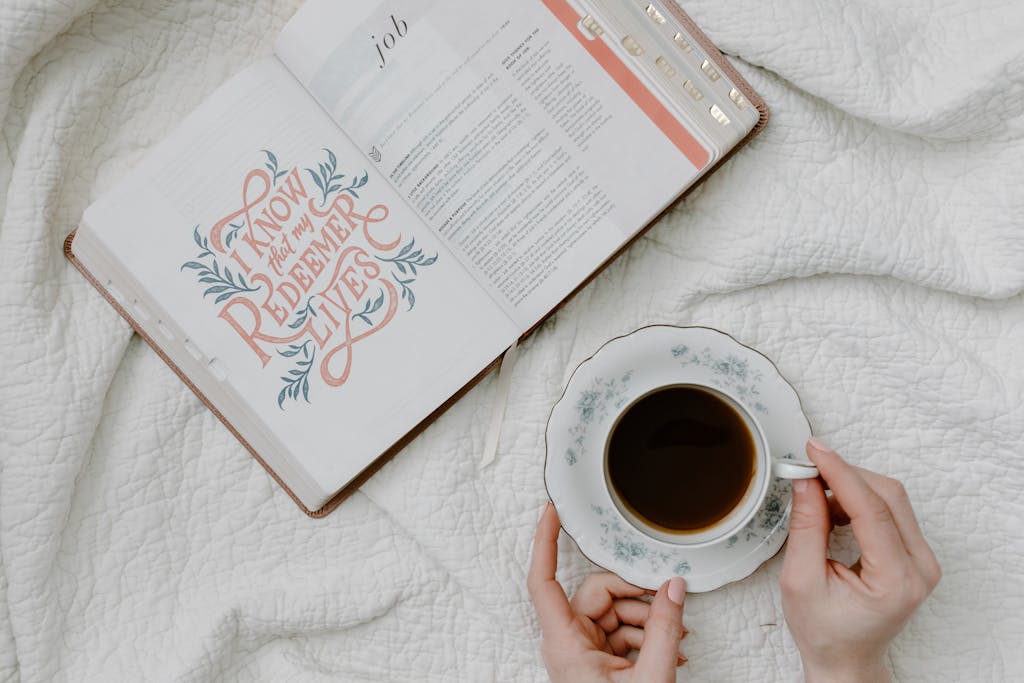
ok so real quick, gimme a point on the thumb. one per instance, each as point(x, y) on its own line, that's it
point(662, 632)
point(809, 527)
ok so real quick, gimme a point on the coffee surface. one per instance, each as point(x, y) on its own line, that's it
point(681, 458)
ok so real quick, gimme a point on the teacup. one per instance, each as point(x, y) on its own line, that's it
point(716, 456)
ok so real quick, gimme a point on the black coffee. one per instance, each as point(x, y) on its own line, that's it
point(681, 458)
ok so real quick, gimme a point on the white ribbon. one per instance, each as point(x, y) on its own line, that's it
point(508, 363)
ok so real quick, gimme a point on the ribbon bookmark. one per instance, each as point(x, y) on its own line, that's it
point(508, 363)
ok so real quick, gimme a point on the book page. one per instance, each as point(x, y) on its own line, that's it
point(257, 233)
point(531, 149)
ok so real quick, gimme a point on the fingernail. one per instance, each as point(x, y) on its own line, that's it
point(676, 590)
point(819, 445)
point(543, 509)
point(799, 485)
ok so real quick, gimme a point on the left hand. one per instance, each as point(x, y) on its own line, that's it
point(588, 639)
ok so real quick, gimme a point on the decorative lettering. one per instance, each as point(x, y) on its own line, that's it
point(314, 273)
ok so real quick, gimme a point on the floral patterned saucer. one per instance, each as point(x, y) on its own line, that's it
point(601, 387)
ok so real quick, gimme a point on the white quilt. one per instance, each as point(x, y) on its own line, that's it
point(871, 241)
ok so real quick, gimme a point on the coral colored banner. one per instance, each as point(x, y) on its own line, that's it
point(675, 131)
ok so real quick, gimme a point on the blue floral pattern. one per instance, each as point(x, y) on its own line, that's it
point(734, 373)
point(593, 407)
point(625, 544)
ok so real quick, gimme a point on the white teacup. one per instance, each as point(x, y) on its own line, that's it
point(765, 468)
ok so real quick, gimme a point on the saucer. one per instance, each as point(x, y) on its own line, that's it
point(624, 369)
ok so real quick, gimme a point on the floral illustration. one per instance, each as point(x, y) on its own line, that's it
point(271, 166)
point(624, 543)
point(372, 306)
point(594, 404)
point(285, 242)
point(297, 378)
point(734, 372)
point(303, 314)
point(327, 178)
point(221, 282)
point(232, 233)
point(406, 262)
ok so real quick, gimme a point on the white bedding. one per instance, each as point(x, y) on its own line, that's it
point(871, 241)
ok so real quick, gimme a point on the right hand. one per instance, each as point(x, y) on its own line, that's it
point(843, 618)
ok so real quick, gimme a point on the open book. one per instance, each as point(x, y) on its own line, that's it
point(342, 238)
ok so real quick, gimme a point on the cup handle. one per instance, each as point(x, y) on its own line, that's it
point(794, 469)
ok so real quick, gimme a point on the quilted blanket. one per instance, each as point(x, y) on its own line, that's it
point(871, 241)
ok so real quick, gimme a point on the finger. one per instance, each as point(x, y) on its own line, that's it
point(622, 643)
point(632, 612)
point(662, 633)
point(549, 599)
point(849, 574)
point(803, 565)
point(895, 496)
point(624, 639)
point(595, 595)
point(872, 521)
point(836, 512)
point(624, 611)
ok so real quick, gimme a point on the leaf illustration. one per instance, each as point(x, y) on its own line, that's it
point(297, 379)
point(197, 239)
point(332, 158)
point(378, 303)
point(224, 285)
point(370, 307)
point(316, 179)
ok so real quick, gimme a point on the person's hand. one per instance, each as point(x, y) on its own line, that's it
point(844, 617)
point(587, 639)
